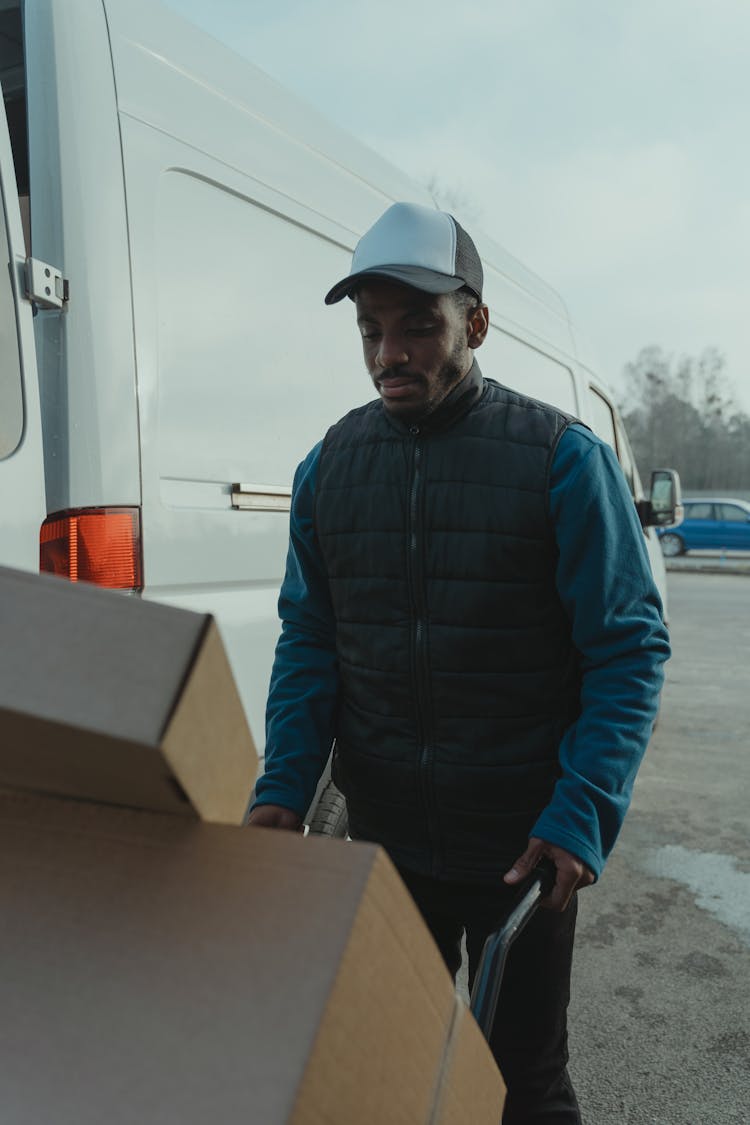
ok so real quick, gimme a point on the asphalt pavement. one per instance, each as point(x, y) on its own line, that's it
point(660, 1016)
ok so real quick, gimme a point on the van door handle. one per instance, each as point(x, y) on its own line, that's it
point(261, 498)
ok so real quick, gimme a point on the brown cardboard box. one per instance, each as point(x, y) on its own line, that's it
point(163, 970)
point(470, 1087)
point(119, 700)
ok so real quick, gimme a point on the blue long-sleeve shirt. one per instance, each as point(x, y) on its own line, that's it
point(605, 584)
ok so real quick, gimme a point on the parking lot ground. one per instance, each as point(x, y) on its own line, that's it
point(660, 1016)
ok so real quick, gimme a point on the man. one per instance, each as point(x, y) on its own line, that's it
point(468, 610)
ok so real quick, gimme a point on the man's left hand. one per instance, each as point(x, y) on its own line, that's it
point(571, 872)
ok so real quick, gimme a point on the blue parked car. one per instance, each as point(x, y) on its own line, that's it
point(709, 523)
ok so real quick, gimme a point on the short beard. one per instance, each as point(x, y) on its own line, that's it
point(449, 376)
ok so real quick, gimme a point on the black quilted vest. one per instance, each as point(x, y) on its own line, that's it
point(457, 671)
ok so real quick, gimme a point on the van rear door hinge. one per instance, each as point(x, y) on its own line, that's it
point(45, 285)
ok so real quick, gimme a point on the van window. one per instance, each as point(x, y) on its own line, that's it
point(11, 391)
point(608, 426)
point(602, 418)
point(301, 365)
point(524, 368)
point(627, 461)
point(13, 80)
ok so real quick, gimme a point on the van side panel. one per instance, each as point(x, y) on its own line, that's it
point(243, 208)
point(79, 224)
point(21, 460)
point(241, 370)
point(180, 81)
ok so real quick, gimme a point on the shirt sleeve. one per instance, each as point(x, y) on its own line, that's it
point(300, 712)
point(605, 583)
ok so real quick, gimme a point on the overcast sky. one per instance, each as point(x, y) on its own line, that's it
point(604, 144)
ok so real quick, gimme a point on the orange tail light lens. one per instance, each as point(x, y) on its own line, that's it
point(99, 545)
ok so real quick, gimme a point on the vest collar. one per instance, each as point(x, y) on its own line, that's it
point(454, 405)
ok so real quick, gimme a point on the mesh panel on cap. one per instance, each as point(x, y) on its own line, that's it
point(468, 264)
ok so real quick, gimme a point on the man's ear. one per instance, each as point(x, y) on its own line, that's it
point(477, 325)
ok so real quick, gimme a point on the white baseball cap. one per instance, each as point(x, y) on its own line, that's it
point(417, 246)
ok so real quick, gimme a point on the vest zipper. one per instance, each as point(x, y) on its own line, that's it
point(420, 654)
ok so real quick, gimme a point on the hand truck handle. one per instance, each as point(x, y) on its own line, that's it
point(489, 976)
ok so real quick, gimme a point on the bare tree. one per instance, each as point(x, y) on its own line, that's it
point(455, 200)
point(681, 412)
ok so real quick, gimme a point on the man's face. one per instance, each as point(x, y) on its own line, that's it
point(417, 346)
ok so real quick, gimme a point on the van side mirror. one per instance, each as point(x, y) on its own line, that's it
point(664, 506)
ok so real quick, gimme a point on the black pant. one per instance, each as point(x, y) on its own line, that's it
point(529, 1036)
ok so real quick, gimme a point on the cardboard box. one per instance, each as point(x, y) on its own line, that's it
point(159, 969)
point(115, 699)
point(470, 1087)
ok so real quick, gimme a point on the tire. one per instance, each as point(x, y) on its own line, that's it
point(330, 817)
point(671, 545)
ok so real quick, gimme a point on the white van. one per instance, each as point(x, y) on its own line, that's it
point(183, 217)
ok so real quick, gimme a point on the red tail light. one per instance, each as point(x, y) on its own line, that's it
point(100, 545)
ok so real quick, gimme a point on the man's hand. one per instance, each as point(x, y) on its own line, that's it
point(274, 816)
point(571, 873)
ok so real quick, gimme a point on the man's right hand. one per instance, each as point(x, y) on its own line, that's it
point(275, 816)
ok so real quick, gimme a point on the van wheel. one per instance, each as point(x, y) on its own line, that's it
point(330, 817)
point(671, 545)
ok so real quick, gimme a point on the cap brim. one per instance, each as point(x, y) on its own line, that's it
point(428, 281)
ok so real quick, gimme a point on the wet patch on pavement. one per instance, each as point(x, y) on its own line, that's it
point(716, 881)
